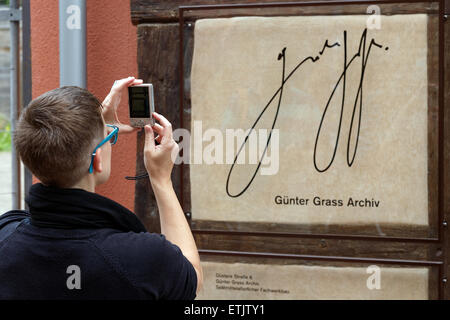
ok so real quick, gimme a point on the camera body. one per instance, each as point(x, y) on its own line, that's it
point(141, 104)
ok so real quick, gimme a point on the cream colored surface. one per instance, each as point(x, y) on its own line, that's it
point(309, 282)
point(235, 72)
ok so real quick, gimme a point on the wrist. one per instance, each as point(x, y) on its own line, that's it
point(161, 184)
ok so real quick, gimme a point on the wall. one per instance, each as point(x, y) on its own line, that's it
point(111, 55)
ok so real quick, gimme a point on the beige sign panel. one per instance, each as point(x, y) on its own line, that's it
point(348, 105)
point(240, 281)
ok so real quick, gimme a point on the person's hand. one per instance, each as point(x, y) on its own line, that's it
point(159, 159)
point(112, 101)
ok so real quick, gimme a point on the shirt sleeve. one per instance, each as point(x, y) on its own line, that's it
point(9, 221)
point(181, 275)
point(153, 265)
point(13, 215)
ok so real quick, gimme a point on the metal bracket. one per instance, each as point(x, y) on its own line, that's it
point(10, 14)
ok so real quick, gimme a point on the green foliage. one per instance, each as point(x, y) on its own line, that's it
point(5, 134)
point(5, 138)
point(4, 2)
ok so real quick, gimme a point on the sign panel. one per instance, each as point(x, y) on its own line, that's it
point(243, 281)
point(310, 120)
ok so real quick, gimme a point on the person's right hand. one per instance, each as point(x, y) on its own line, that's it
point(158, 159)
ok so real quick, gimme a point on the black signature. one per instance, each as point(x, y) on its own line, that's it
point(341, 81)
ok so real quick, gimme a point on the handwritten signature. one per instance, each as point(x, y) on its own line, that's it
point(362, 53)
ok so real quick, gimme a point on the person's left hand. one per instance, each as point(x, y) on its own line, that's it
point(112, 101)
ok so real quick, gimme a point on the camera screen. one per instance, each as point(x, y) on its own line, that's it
point(138, 105)
point(139, 102)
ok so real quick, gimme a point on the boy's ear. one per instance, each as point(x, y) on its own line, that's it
point(98, 161)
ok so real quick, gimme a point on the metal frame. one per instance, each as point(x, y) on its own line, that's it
point(413, 263)
point(322, 258)
point(26, 75)
point(15, 96)
point(441, 221)
point(11, 14)
point(19, 96)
